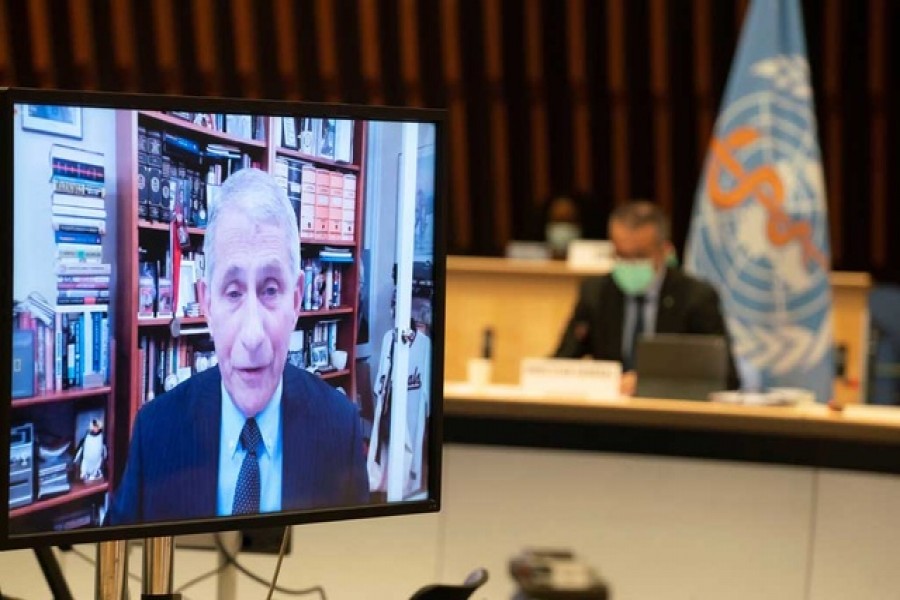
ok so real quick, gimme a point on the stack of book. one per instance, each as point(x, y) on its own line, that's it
point(335, 255)
point(79, 223)
point(167, 361)
point(53, 476)
point(323, 278)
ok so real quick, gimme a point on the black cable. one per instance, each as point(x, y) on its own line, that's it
point(199, 578)
point(231, 559)
point(281, 552)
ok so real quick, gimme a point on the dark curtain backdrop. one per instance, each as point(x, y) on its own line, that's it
point(601, 99)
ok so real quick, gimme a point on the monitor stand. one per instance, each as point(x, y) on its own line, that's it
point(159, 559)
point(156, 582)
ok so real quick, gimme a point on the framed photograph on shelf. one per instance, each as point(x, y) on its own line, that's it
point(187, 291)
point(318, 355)
point(289, 132)
point(56, 120)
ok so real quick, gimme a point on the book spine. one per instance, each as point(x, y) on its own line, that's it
point(73, 169)
point(143, 358)
point(78, 188)
point(78, 279)
point(64, 236)
point(83, 269)
point(69, 323)
point(82, 293)
point(79, 301)
point(79, 349)
point(49, 336)
point(151, 370)
point(82, 285)
point(64, 199)
point(39, 375)
point(63, 210)
point(104, 347)
point(96, 320)
point(58, 352)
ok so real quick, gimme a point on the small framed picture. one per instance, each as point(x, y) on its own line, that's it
point(187, 291)
point(56, 120)
point(289, 136)
point(318, 354)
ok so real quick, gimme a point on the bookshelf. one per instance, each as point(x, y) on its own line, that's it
point(143, 229)
point(63, 338)
point(126, 226)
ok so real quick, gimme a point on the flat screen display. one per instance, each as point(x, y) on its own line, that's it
point(225, 313)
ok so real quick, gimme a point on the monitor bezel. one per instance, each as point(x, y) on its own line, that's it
point(9, 97)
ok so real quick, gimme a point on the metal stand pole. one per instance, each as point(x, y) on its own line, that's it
point(159, 558)
point(52, 573)
point(112, 570)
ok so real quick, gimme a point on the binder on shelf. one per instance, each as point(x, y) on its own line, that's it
point(343, 141)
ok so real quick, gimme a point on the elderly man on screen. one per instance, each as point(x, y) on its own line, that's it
point(645, 293)
point(254, 434)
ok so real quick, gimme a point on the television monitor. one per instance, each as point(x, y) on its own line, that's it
point(226, 313)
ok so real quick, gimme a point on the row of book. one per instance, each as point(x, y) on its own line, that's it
point(167, 361)
point(324, 199)
point(69, 351)
point(312, 347)
point(175, 174)
point(156, 296)
point(247, 127)
point(327, 138)
point(323, 282)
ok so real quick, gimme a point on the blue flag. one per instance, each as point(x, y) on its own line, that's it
point(759, 231)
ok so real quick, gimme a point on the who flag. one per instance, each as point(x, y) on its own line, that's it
point(759, 230)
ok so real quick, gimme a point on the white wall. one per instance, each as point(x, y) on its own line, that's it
point(34, 244)
point(654, 528)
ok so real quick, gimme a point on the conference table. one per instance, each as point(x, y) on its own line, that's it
point(526, 303)
point(856, 437)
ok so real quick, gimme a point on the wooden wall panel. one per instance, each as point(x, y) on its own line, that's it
point(581, 110)
point(535, 93)
point(7, 65)
point(878, 58)
point(599, 99)
point(499, 119)
point(833, 120)
point(619, 110)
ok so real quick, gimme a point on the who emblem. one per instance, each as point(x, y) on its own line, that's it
point(760, 224)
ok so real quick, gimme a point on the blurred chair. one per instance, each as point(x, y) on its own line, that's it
point(884, 348)
point(453, 592)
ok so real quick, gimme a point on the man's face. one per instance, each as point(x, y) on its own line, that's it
point(252, 305)
point(636, 243)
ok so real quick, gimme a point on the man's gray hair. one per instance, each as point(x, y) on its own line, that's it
point(256, 197)
point(638, 213)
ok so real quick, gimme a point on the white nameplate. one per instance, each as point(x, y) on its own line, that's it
point(594, 379)
point(590, 255)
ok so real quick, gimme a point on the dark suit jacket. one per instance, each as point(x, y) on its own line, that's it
point(686, 305)
point(173, 458)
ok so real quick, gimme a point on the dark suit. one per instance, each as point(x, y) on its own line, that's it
point(685, 305)
point(173, 458)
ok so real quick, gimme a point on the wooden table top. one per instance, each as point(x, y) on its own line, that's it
point(858, 423)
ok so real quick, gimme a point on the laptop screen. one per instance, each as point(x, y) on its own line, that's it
point(681, 366)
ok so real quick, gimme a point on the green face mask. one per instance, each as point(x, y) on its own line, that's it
point(633, 276)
